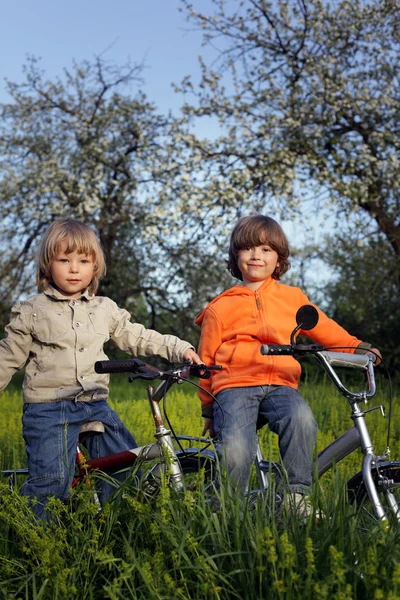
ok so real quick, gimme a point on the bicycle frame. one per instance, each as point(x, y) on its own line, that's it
point(162, 448)
point(168, 465)
point(356, 437)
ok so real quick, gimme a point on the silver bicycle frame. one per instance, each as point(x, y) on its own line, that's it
point(164, 448)
point(356, 437)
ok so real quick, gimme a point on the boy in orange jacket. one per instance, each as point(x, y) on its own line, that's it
point(252, 389)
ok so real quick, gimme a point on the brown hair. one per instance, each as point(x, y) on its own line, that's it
point(256, 231)
point(79, 238)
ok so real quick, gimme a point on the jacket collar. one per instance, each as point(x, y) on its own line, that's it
point(236, 290)
point(266, 284)
point(242, 290)
point(53, 293)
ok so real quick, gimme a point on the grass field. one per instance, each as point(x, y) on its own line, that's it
point(179, 549)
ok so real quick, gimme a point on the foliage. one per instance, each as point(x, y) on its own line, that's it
point(304, 98)
point(363, 292)
point(179, 549)
point(83, 146)
point(304, 92)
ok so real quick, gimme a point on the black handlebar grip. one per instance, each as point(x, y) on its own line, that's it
point(276, 349)
point(128, 365)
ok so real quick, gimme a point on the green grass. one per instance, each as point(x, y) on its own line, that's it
point(179, 549)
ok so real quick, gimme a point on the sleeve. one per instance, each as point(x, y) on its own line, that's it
point(210, 341)
point(16, 346)
point(331, 335)
point(135, 339)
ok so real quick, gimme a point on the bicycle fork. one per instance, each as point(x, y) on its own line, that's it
point(170, 463)
point(370, 460)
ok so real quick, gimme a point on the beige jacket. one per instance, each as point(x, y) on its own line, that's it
point(63, 338)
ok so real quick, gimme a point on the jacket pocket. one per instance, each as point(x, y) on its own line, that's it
point(99, 320)
point(233, 353)
point(49, 326)
point(243, 350)
point(45, 359)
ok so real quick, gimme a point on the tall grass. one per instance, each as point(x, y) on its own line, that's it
point(181, 549)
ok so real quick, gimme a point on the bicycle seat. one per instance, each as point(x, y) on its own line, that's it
point(92, 427)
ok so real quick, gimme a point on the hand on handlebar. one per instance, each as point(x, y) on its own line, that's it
point(193, 357)
point(377, 356)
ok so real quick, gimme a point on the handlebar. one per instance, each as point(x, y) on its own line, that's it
point(129, 365)
point(142, 370)
point(290, 349)
point(306, 319)
point(335, 359)
point(329, 360)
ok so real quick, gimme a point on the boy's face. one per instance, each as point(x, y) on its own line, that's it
point(256, 265)
point(72, 273)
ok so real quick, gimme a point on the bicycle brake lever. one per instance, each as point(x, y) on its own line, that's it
point(207, 370)
point(205, 375)
point(148, 376)
point(303, 349)
point(195, 370)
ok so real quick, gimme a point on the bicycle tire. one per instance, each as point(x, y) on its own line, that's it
point(192, 465)
point(357, 492)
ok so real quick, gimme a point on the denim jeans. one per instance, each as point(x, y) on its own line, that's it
point(239, 412)
point(51, 431)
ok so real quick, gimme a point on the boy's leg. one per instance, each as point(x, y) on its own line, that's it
point(50, 430)
point(116, 438)
point(235, 418)
point(289, 415)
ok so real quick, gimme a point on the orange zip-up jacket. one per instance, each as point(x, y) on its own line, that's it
point(238, 321)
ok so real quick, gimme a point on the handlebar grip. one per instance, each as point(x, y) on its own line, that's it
point(344, 359)
point(203, 371)
point(128, 365)
point(276, 349)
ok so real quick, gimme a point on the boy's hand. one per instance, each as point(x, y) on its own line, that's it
point(209, 427)
point(191, 355)
point(377, 355)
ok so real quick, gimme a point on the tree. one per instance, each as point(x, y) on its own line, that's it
point(82, 146)
point(306, 93)
point(362, 295)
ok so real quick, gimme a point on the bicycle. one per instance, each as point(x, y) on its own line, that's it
point(170, 465)
point(379, 476)
point(376, 483)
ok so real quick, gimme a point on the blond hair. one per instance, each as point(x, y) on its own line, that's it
point(79, 238)
point(256, 231)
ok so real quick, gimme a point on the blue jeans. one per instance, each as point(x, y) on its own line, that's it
point(51, 431)
point(246, 409)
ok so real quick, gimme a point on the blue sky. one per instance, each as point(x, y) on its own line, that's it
point(153, 31)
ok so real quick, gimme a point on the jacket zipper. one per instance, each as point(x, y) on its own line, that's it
point(268, 364)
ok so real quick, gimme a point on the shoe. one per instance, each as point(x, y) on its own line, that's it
point(302, 508)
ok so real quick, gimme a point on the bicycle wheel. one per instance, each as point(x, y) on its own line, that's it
point(387, 479)
point(197, 469)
